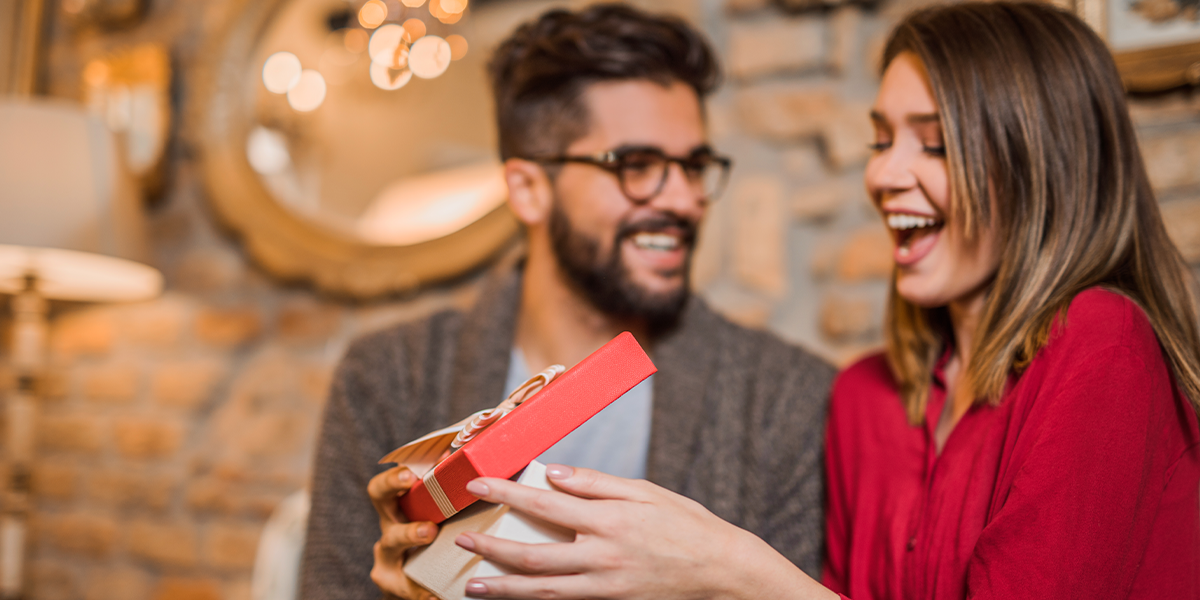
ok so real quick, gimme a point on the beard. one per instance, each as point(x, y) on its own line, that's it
point(606, 281)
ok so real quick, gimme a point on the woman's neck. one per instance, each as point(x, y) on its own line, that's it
point(964, 321)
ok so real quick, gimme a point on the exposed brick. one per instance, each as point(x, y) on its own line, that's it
point(211, 495)
point(709, 255)
point(164, 544)
point(121, 583)
point(239, 589)
point(760, 222)
point(1182, 219)
point(803, 162)
point(1171, 160)
point(188, 588)
point(70, 432)
point(51, 581)
point(845, 317)
point(55, 480)
point(738, 6)
point(122, 488)
point(87, 534)
point(209, 269)
point(90, 332)
point(158, 324)
point(228, 327)
point(739, 306)
point(847, 135)
point(774, 45)
point(231, 546)
point(114, 383)
point(307, 322)
point(785, 111)
point(141, 437)
point(826, 199)
point(845, 27)
point(187, 384)
point(866, 255)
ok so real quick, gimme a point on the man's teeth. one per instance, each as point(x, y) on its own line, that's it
point(899, 221)
point(656, 241)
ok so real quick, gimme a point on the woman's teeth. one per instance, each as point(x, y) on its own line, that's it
point(902, 222)
point(656, 241)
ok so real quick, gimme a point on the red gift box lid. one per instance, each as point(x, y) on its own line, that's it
point(530, 429)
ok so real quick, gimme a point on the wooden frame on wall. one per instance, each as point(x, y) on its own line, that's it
point(1131, 27)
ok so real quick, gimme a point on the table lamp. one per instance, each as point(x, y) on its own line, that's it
point(70, 229)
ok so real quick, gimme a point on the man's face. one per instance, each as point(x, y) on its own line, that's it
point(630, 260)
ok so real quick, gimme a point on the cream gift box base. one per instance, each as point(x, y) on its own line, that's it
point(443, 568)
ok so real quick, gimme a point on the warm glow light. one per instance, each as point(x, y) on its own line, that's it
point(372, 14)
point(96, 73)
point(451, 18)
point(429, 57)
point(412, 3)
point(458, 46)
point(74, 7)
point(267, 151)
point(308, 93)
point(415, 28)
point(420, 208)
point(389, 79)
point(281, 72)
point(387, 46)
point(355, 40)
point(453, 7)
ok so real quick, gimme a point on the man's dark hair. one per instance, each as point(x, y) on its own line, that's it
point(539, 73)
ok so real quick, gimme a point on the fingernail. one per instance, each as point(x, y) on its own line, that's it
point(426, 531)
point(476, 588)
point(478, 488)
point(405, 477)
point(465, 542)
point(559, 472)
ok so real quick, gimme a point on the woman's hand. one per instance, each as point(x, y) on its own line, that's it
point(397, 535)
point(634, 540)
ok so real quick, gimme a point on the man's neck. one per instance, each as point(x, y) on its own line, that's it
point(556, 324)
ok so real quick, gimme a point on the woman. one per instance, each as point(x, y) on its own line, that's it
point(1028, 430)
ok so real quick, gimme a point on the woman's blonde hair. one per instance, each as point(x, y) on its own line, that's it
point(1040, 147)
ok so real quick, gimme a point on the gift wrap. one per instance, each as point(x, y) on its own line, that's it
point(444, 568)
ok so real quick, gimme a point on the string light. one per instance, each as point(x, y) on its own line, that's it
point(389, 79)
point(458, 46)
point(429, 57)
point(281, 72)
point(372, 14)
point(415, 28)
point(309, 91)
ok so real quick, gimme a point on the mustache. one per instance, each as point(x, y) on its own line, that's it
point(659, 222)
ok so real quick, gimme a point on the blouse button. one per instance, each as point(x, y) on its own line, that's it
point(912, 543)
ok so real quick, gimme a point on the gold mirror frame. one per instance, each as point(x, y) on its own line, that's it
point(285, 244)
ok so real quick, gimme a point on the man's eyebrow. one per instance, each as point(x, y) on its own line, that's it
point(627, 148)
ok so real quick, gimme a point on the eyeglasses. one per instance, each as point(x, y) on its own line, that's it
point(642, 170)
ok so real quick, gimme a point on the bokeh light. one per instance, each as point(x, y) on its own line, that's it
point(74, 7)
point(96, 73)
point(387, 45)
point(267, 151)
point(372, 14)
point(356, 40)
point(415, 28)
point(453, 7)
point(309, 91)
point(389, 79)
point(429, 57)
point(281, 72)
point(458, 46)
point(412, 3)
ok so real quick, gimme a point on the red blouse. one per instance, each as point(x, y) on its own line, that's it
point(1083, 483)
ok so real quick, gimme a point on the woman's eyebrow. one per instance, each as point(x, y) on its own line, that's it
point(923, 118)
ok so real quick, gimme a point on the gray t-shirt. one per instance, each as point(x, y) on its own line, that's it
point(615, 441)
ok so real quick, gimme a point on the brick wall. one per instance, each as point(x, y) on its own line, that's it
point(171, 428)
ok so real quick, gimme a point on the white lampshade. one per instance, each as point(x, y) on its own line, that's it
point(69, 213)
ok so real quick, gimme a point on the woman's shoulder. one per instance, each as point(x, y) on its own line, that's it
point(1099, 319)
point(864, 383)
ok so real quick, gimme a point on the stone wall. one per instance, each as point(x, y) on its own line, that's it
point(172, 428)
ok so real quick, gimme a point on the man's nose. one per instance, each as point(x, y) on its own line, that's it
point(680, 195)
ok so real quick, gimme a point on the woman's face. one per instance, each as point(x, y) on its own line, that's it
point(908, 180)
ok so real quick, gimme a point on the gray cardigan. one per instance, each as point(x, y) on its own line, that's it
point(737, 425)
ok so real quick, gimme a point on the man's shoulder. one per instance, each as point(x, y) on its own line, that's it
point(406, 336)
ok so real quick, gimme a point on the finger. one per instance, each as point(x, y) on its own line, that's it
point(383, 489)
point(588, 483)
point(520, 587)
point(388, 575)
point(533, 559)
point(556, 507)
point(398, 537)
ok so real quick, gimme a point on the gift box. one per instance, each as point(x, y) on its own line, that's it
point(508, 440)
point(444, 568)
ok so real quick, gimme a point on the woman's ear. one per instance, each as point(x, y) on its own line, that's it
point(530, 192)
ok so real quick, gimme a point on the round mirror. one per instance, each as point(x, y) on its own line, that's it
point(352, 144)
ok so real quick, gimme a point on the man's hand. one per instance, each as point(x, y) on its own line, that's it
point(397, 535)
point(635, 540)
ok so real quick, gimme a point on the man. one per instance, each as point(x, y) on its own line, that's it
point(601, 127)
